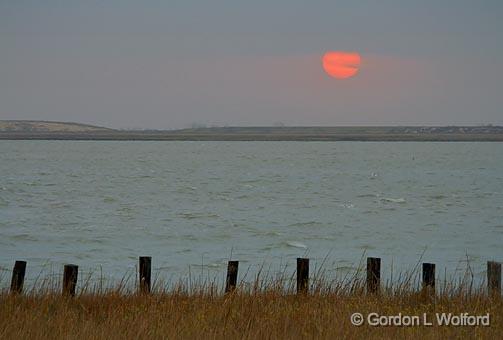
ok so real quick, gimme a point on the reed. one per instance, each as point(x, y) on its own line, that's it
point(267, 307)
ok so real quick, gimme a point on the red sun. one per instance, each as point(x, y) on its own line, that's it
point(341, 64)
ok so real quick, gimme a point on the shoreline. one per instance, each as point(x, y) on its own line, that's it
point(210, 136)
point(63, 131)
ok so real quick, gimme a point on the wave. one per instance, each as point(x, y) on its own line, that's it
point(393, 200)
point(58, 204)
point(266, 233)
point(296, 244)
point(305, 224)
point(251, 180)
point(437, 197)
point(366, 195)
point(194, 215)
point(346, 268)
point(24, 237)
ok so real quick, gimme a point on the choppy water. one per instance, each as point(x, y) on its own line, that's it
point(189, 204)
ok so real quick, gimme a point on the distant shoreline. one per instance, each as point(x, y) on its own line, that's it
point(178, 136)
point(42, 130)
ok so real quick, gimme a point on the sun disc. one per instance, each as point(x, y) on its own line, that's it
point(340, 64)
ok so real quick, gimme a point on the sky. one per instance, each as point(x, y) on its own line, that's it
point(172, 64)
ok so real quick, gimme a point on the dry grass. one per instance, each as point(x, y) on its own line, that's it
point(266, 309)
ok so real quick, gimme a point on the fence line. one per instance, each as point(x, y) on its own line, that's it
point(373, 278)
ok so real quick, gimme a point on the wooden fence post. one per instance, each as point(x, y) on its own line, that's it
point(373, 274)
point(302, 275)
point(429, 275)
point(145, 270)
point(232, 276)
point(70, 275)
point(17, 281)
point(494, 277)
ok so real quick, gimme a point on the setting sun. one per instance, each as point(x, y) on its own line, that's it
point(340, 64)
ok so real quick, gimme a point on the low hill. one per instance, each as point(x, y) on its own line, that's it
point(46, 126)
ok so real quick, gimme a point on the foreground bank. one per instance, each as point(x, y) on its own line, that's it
point(265, 314)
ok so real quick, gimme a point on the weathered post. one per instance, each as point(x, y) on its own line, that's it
point(373, 274)
point(70, 275)
point(145, 273)
point(17, 281)
point(428, 280)
point(429, 275)
point(232, 276)
point(302, 275)
point(494, 277)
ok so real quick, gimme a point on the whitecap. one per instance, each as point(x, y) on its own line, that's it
point(347, 205)
point(213, 265)
point(296, 244)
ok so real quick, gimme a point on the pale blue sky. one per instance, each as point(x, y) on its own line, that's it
point(167, 64)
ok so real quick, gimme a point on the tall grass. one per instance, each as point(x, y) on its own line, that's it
point(265, 307)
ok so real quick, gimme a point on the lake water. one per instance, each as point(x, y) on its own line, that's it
point(192, 204)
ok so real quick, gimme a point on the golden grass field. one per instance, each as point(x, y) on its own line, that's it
point(259, 311)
